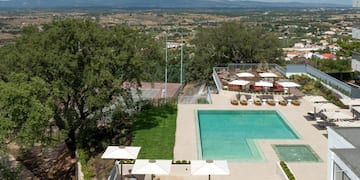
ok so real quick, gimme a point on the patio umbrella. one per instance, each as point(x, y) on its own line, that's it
point(209, 167)
point(264, 84)
point(239, 82)
point(288, 85)
point(245, 74)
point(121, 152)
point(267, 75)
point(146, 166)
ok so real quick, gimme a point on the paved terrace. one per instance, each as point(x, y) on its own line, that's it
point(186, 145)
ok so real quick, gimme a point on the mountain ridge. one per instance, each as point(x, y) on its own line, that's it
point(125, 4)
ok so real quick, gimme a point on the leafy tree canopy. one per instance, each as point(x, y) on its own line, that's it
point(25, 112)
point(70, 70)
point(348, 47)
point(232, 43)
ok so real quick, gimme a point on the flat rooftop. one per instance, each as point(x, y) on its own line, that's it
point(350, 156)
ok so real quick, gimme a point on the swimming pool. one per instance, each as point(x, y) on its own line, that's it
point(230, 134)
point(296, 153)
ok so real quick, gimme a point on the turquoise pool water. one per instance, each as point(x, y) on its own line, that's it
point(296, 153)
point(230, 134)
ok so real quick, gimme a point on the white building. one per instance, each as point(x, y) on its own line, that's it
point(356, 31)
point(356, 3)
point(343, 153)
point(355, 63)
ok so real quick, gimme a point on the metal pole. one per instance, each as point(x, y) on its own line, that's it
point(181, 63)
point(166, 62)
point(121, 169)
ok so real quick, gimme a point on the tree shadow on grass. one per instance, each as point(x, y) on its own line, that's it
point(152, 116)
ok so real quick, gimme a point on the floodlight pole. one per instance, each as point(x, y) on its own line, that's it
point(166, 62)
point(181, 63)
point(121, 170)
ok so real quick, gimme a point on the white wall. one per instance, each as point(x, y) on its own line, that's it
point(355, 64)
point(356, 33)
point(343, 166)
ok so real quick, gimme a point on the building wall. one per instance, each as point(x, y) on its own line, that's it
point(335, 141)
point(356, 32)
point(356, 3)
point(355, 62)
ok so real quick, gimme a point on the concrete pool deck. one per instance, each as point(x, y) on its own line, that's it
point(186, 142)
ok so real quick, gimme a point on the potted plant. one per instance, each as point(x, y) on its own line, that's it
point(257, 102)
point(243, 102)
point(234, 102)
point(271, 102)
point(283, 102)
point(295, 102)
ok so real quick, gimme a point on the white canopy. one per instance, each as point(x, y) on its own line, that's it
point(289, 84)
point(146, 166)
point(209, 167)
point(121, 152)
point(351, 102)
point(267, 75)
point(326, 106)
point(239, 82)
point(338, 115)
point(264, 84)
point(245, 74)
point(315, 99)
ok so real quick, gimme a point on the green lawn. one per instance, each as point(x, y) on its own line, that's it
point(154, 131)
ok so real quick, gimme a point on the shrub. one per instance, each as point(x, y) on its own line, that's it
point(202, 101)
point(295, 102)
point(287, 171)
point(243, 102)
point(283, 102)
point(271, 102)
point(234, 102)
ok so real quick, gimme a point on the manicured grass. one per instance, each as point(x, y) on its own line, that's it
point(154, 130)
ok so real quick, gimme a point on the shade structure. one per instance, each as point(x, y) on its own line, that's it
point(209, 167)
point(146, 166)
point(239, 82)
point(326, 106)
point(121, 152)
point(267, 75)
point(289, 84)
point(351, 102)
point(264, 84)
point(338, 115)
point(316, 99)
point(245, 74)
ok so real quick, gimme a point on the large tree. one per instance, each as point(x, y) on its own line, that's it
point(232, 43)
point(83, 66)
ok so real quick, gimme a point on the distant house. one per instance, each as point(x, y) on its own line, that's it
point(328, 56)
point(299, 45)
point(293, 54)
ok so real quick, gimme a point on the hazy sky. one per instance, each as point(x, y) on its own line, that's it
point(348, 2)
point(341, 2)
